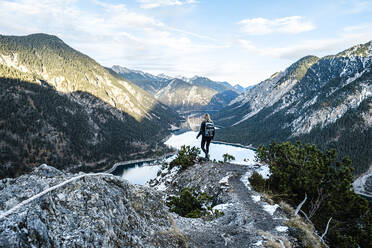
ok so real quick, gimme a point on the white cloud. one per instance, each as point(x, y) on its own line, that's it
point(359, 7)
point(150, 4)
point(113, 34)
point(290, 24)
point(320, 47)
point(247, 44)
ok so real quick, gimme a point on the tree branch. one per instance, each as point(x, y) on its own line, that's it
point(300, 205)
point(326, 230)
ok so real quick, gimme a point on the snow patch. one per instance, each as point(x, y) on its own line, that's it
point(356, 76)
point(244, 179)
point(281, 228)
point(264, 171)
point(223, 206)
point(256, 198)
point(258, 243)
point(224, 180)
point(270, 208)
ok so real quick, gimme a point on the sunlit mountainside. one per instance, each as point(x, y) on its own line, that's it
point(181, 93)
point(61, 107)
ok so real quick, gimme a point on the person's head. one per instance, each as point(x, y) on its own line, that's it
point(207, 117)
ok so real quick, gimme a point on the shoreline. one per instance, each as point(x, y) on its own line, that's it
point(234, 144)
point(359, 182)
point(116, 165)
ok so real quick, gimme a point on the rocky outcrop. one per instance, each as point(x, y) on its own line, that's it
point(92, 210)
point(49, 208)
point(249, 220)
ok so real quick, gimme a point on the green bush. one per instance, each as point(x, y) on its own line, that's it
point(186, 157)
point(302, 168)
point(189, 204)
point(257, 182)
point(228, 158)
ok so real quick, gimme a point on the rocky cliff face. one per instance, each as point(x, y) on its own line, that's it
point(49, 208)
point(91, 211)
point(324, 101)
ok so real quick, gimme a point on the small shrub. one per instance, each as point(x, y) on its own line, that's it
point(189, 204)
point(257, 181)
point(228, 158)
point(186, 156)
point(185, 204)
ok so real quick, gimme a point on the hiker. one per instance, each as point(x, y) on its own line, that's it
point(207, 133)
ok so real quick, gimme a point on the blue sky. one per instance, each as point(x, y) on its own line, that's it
point(236, 41)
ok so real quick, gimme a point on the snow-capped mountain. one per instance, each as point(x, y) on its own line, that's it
point(326, 101)
point(240, 88)
point(182, 93)
point(146, 81)
point(185, 96)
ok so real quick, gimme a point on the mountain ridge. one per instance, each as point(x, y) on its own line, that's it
point(114, 114)
point(317, 104)
point(194, 93)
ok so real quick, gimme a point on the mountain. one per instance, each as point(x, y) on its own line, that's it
point(181, 93)
point(239, 88)
point(326, 101)
point(184, 96)
point(206, 82)
point(220, 100)
point(146, 81)
point(60, 106)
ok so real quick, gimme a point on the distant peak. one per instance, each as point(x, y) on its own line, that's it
point(121, 69)
point(43, 36)
point(358, 50)
point(162, 75)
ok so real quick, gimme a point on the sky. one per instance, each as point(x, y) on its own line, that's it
point(238, 41)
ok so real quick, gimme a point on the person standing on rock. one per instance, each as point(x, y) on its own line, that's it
point(207, 133)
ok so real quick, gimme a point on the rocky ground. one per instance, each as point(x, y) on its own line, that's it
point(49, 208)
point(94, 210)
point(249, 219)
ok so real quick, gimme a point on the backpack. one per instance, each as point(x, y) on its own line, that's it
point(209, 129)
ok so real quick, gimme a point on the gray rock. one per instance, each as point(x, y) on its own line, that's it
point(244, 220)
point(93, 211)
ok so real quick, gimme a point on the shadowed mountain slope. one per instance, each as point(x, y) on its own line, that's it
point(325, 101)
point(61, 107)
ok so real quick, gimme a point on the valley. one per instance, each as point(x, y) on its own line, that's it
point(107, 147)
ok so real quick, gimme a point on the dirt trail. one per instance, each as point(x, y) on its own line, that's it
point(245, 217)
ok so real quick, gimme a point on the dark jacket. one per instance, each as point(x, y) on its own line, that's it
point(202, 130)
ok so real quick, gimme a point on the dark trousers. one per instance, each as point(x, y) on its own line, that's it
point(206, 141)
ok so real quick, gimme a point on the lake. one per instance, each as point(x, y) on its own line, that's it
point(142, 172)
